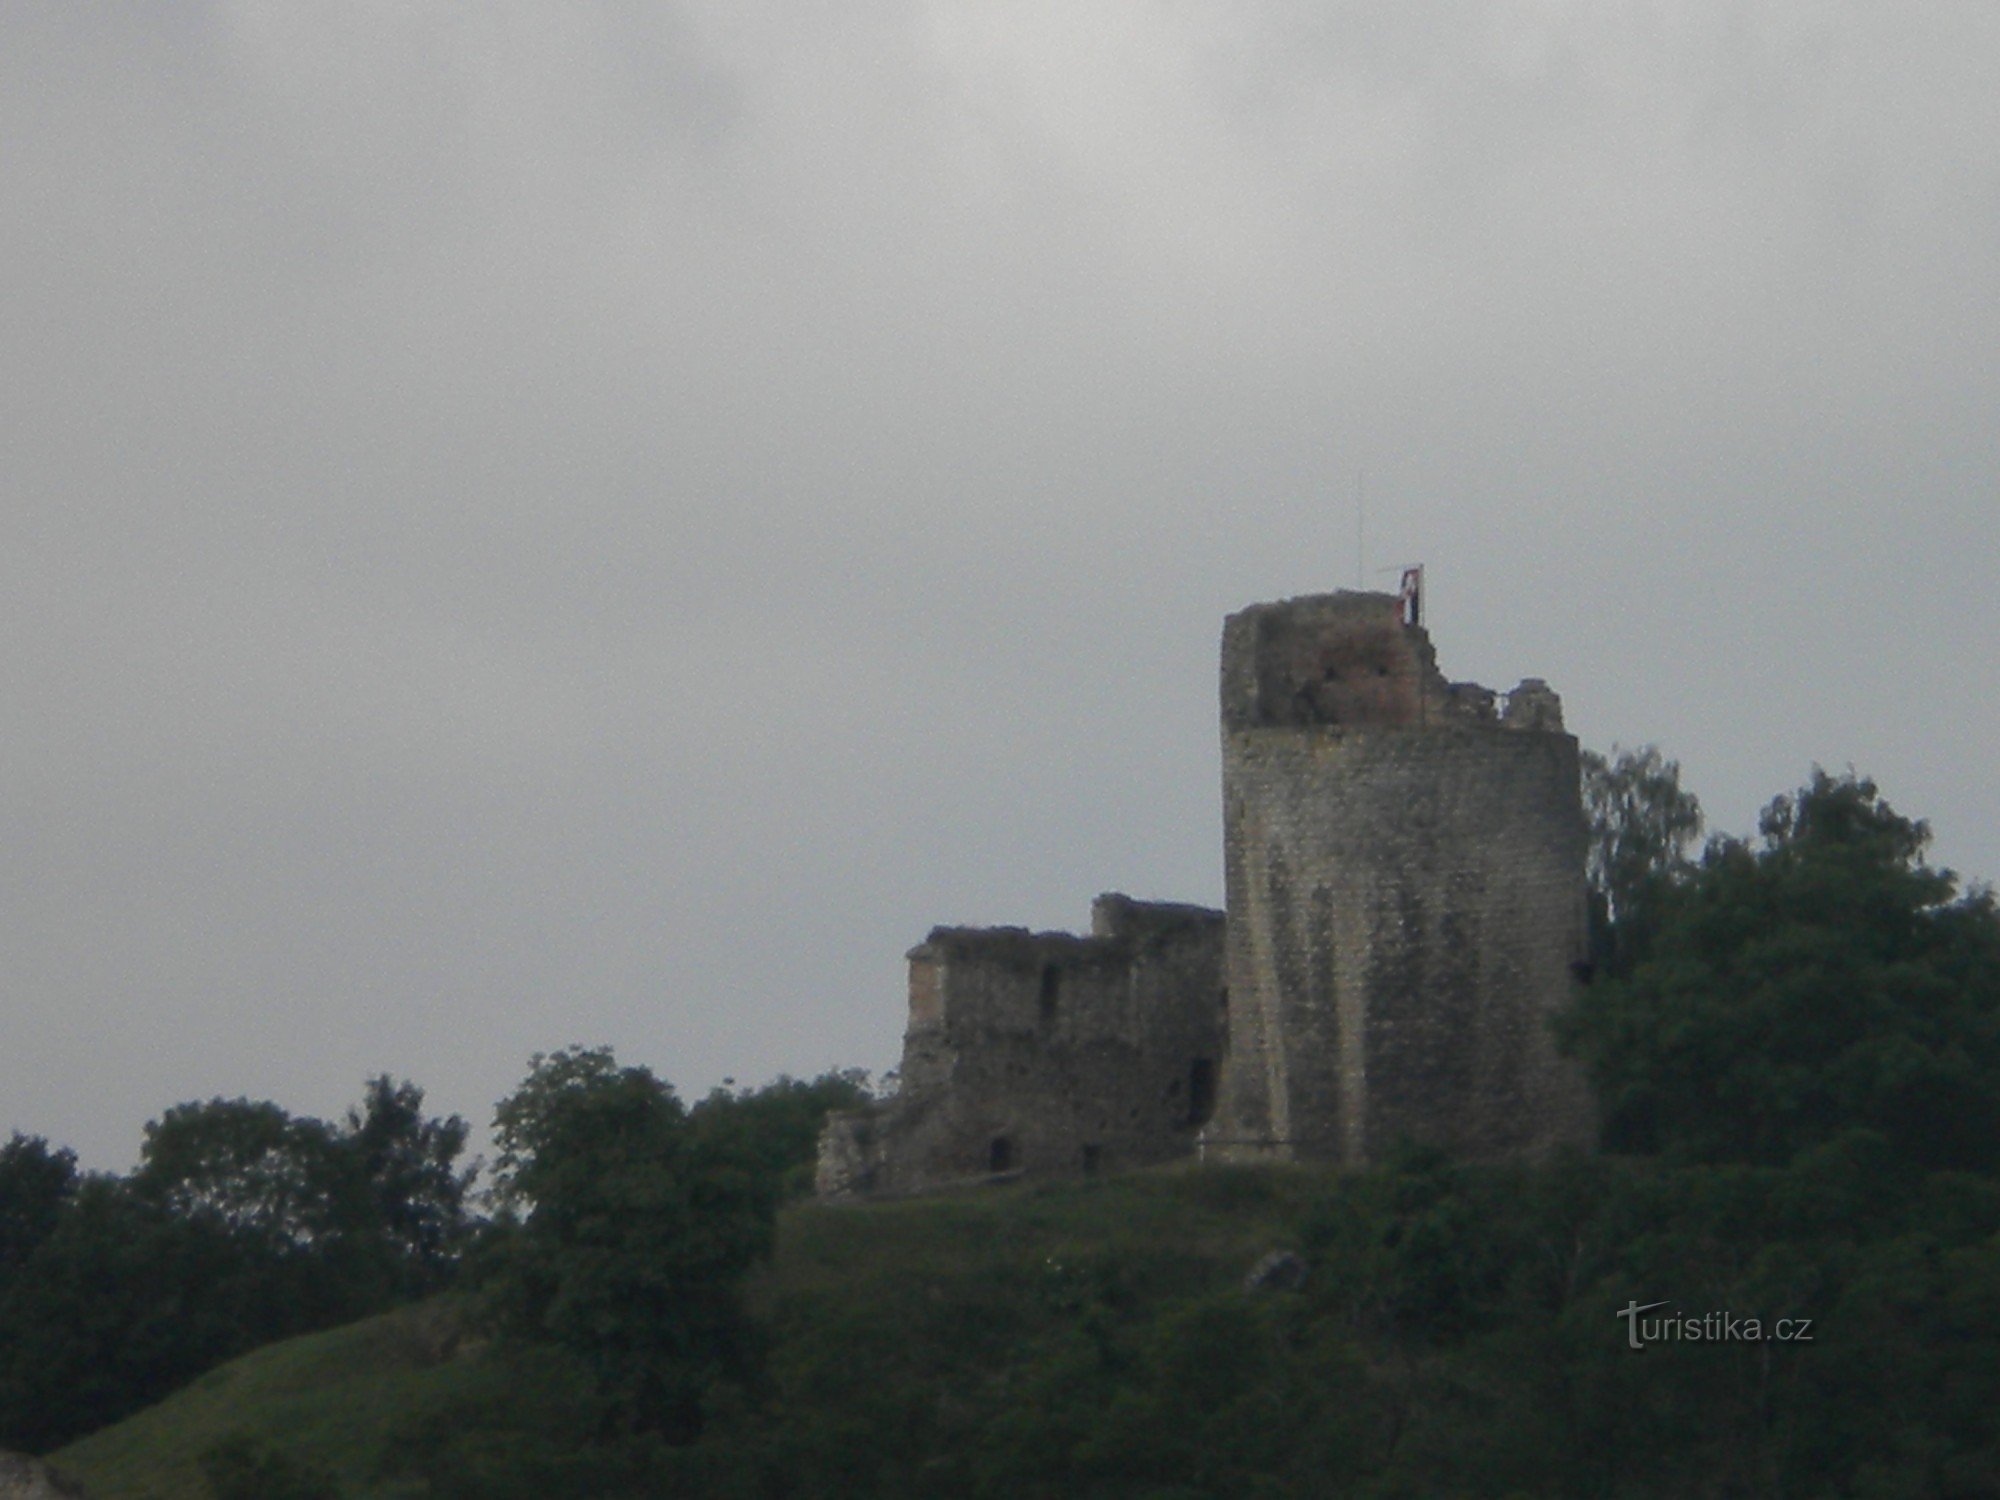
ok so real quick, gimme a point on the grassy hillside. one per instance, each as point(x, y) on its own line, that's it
point(889, 1290)
point(1803, 1052)
point(328, 1400)
point(1459, 1335)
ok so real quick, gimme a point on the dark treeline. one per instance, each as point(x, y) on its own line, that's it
point(244, 1224)
point(1795, 1040)
point(1796, 1044)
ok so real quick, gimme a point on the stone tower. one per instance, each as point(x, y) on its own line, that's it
point(1404, 864)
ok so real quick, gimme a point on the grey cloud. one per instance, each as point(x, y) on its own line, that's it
point(538, 524)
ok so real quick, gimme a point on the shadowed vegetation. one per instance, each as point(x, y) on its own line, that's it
point(1799, 1055)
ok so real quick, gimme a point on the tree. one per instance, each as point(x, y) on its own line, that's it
point(1820, 981)
point(242, 1224)
point(252, 1169)
point(1642, 826)
point(634, 1231)
point(35, 1184)
point(778, 1125)
point(375, 1204)
point(415, 1191)
point(120, 1304)
point(285, 1198)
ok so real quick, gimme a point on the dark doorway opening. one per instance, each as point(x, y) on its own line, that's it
point(1093, 1158)
point(1000, 1155)
point(1051, 984)
point(1201, 1091)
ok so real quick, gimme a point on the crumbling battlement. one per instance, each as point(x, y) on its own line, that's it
point(1348, 660)
point(1045, 1052)
point(1403, 857)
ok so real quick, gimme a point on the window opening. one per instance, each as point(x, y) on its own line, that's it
point(1201, 1091)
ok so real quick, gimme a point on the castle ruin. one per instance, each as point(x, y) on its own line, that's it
point(1046, 1052)
point(1404, 874)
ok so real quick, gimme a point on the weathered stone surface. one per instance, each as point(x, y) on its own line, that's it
point(1045, 1053)
point(1533, 705)
point(23, 1478)
point(1406, 898)
point(1279, 1271)
point(1404, 864)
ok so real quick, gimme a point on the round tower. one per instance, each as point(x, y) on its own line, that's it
point(1404, 863)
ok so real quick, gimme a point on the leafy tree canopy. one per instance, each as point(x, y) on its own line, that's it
point(1643, 825)
point(380, 1193)
point(120, 1304)
point(250, 1168)
point(416, 1190)
point(242, 1224)
point(1818, 980)
point(778, 1125)
point(35, 1184)
point(634, 1231)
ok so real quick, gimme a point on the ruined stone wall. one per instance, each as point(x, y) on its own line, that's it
point(1045, 1053)
point(1404, 861)
point(1404, 865)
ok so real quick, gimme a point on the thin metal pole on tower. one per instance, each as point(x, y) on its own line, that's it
point(1360, 528)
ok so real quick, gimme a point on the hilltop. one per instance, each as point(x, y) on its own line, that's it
point(1458, 1332)
point(1780, 1277)
point(869, 1308)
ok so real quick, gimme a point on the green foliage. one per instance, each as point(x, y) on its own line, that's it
point(242, 1224)
point(1642, 824)
point(249, 1169)
point(35, 1184)
point(416, 1192)
point(777, 1127)
point(1805, 1045)
point(635, 1231)
point(376, 1202)
point(116, 1307)
point(1820, 981)
point(632, 1226)
point(279, 1199)
point(239, 1468)
point(1458, 1336)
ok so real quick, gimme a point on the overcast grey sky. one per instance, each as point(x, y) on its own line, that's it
point(532, 523)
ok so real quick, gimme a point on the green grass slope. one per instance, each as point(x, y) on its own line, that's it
point(1459, 1335)
point(327, 1400)
point(901, 1290)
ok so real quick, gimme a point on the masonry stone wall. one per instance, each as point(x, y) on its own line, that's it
point(1045, 1053)
point(1404, 863)
point(1404, 867)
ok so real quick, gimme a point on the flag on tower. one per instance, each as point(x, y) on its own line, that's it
point(1411, 595)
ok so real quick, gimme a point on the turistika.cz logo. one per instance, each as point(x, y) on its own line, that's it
point(1708, 1328)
